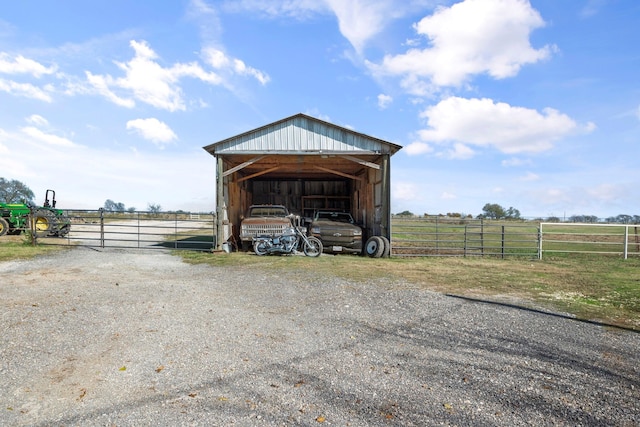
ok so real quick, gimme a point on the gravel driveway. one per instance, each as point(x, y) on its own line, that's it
point(102, 338)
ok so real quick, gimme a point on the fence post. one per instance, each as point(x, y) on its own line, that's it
point(626, 241)
point(32, 227)
point(466, 226)
point(482, 236)
point(540, 242)
point(502, 249)
point(101, 227)
point(175, 235)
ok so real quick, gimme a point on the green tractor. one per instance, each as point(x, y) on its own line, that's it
point(47, 220)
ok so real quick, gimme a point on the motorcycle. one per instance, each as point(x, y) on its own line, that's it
point(288, 242)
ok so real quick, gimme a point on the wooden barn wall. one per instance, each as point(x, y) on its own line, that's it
point(366, 198)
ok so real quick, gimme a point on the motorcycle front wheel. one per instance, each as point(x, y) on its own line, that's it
point(260, 247)
point(313, 248)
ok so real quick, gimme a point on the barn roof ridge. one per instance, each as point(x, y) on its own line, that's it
point(228, 142)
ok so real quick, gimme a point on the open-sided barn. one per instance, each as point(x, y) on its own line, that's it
point(306, 164)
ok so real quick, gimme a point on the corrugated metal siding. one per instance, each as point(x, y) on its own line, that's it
point(301, 135)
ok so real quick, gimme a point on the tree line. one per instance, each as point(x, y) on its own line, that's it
point(496, 211)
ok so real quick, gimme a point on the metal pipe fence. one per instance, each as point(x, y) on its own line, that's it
point(141, 230)
point(463, 237)
point(601, 239)
point(437, 236)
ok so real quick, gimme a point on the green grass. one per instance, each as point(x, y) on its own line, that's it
point(19, 247)
point(603, 289)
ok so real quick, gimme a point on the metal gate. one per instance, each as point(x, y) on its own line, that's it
point(138, 230)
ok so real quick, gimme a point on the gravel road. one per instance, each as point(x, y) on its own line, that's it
point(135, 338)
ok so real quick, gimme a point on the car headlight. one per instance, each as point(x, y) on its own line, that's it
point(357, 232)
point(315, 230)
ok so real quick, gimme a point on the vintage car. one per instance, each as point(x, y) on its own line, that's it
point(338, 232)
point(261, 220)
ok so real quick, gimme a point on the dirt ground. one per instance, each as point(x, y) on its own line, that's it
point(97, 337)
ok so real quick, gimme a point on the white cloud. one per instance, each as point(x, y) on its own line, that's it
point(406, 191)
point(22, 65)
point(26, 90)
point(153, 130)
point(460, 152)
point(80, 174)
point(485, 123)
point(220, 61)
point(3, 148)
point(447, 196)
point(592, 8)
point(515, 162)
point(469, 38)
point(530, 176)
point(358, 20)
point(384, 101)
point(417, 147)
point(147, 81)
point(37, 120)
point(297, 9)
point(101, 86)
point(49, 139)
point(361, 20)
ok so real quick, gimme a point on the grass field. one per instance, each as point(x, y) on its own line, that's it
point(596, 288)
point(593, 288)
point(450, 236)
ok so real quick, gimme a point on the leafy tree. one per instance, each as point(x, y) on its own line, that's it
point(14, 191)
point(512, 213)
point(154, 208)
point(405, 213)
point(623, 219)
point(495, 211)
point(111, 206)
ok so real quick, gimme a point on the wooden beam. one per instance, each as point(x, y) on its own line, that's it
point(360, 161)
point(262, 172)
point(243, 165)
point(346, 175)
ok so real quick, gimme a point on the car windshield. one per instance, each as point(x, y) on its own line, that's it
point(335, 216)
point(268, 211)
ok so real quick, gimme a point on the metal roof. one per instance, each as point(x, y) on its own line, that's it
point(302, 134)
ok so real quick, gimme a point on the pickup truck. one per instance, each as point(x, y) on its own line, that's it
point(263, 219)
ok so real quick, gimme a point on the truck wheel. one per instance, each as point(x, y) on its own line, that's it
point(4, 227)
point(374, 247)
point(44, 221)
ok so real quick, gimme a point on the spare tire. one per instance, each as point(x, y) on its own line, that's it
point(387, 247)
point(374, 247)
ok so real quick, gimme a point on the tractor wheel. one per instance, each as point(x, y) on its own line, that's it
point(64, 226)
point(4, 227)
point(44, 221)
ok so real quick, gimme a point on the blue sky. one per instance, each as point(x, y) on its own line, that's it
point(529, 104)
